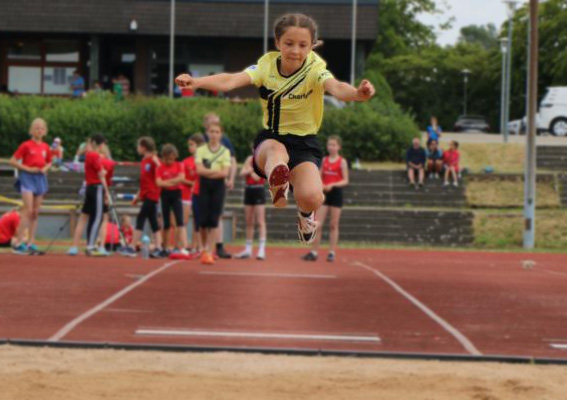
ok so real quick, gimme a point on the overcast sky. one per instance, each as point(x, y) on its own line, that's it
point(467, 12)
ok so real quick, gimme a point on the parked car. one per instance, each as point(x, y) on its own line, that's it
point(520, 126)
point(553, 111)
point(333, 102)
point(471, 123)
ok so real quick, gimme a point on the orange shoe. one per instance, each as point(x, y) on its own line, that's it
point(207, 258)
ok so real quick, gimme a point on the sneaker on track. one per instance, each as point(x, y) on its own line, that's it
point(73, 251)
point(243, 255)
point(127, 252)
point(309, 257)
point(306, 228)
point(21, 250)
point(279, 185)
point(331, 257)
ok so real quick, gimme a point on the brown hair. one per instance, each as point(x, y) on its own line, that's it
point(168, 150)
point(336, 139)
point(215, 124)
point(198, 138)
point(147, 143)
point(455, 143)
point(299, 21)
point(209, 116)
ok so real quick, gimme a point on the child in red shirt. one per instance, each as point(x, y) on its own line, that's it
point(169, 176)
point(334, 175)
point(33, 160)
point(451, 160)
point(189, 185)
point(96, 199)
point(149, 195)
point(112, 239)
point(9, 223)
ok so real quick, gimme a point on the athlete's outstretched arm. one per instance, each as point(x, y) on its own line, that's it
point(345, 92)
point(220, 82)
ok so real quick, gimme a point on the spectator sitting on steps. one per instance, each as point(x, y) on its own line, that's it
point(451, 160)
point(434, 159)
point(415, 160)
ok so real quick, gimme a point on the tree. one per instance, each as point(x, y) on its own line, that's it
point(485, 35)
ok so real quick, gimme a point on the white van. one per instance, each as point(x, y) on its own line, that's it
point(553, 111)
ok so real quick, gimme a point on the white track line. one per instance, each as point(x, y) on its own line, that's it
point(467, 344)
point(268, 275)
point(81, 318)
point(250, 335)
point(558, 346)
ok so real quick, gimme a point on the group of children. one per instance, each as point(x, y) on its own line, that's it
point(291, 82)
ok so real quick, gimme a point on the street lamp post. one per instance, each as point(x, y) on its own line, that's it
point(503, 122)
point(171, 48)
point(466, 74)
point(511, 9)
point(266, 17)
point(353, 44)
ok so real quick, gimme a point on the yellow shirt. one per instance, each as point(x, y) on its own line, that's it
point(294, 104)
point(221, 157)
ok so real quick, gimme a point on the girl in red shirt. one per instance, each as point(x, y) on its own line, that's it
point(451, 160)
point(169, 176)
point(254, 209)
point(33, 160)
point(190, 181)
point(334, 174)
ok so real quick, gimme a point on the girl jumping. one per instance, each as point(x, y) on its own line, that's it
point(291, 82)
point(33, 160)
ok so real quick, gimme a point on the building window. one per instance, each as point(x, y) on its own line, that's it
point(61, 51)
point(56, 80)
point(27, 51)
point(24, 79)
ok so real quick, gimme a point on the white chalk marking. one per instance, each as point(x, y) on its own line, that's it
point(465, 342)
point(558, 346)
point(251, 335)
point(268, 275)
point(81, 318)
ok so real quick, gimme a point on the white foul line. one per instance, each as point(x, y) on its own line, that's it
point(81, 318)
point(249, 335)
point(467, 344)
point(268, 275)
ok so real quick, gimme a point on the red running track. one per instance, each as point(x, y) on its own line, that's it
point(440, 302)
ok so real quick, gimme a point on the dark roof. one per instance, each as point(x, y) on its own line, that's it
point(194, 18)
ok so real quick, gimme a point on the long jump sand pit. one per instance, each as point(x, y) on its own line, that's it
point(56, 374)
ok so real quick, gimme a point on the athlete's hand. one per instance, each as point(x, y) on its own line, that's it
point(185, 81)
point(135, 201)
point(230, 184)
point(365, 91)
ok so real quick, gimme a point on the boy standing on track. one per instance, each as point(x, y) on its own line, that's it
point(149, 195)
point(96, 198)
point(292, 82)
point(33, 161)
point(190, 187)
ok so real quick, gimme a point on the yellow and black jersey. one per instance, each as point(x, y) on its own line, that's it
point(293, 104)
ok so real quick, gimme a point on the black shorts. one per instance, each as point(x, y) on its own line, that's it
point(299, 148)
point(171, 202)
point(149, 211)
point(211, 202)
point(93, 195)
point(254, 195)
point(196, 211)
point(334, 198)
point(6, 244)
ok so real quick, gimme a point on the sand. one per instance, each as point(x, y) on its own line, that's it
point(54, 374)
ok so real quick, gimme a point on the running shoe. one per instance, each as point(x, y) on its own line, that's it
point(127, 252)
point(306, 228)
point(21, 250)
point(96, 252)
point(33, 248)
point(279, 185)
point(309, 257)
point(156, 254)
point(207, 258)
point(165, 253)
point(261, 256)
point(243, 255)
point(222, 253)
point(331, 257)
point(73, 251)
point(102, 252)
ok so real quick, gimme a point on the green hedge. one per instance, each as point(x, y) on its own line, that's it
point(378, 130)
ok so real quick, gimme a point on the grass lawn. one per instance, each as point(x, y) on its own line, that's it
point(497, 229)
point(509, 194)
